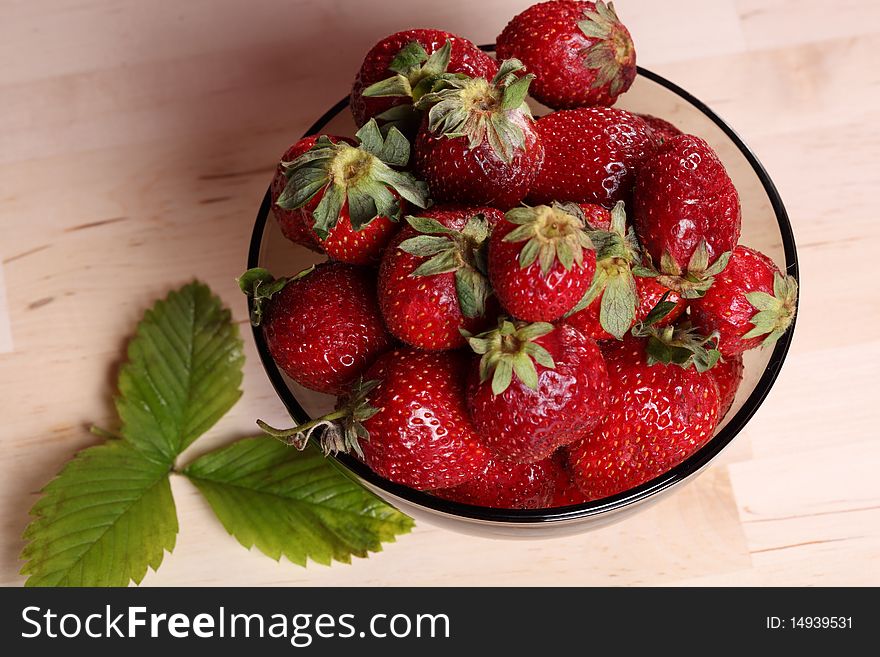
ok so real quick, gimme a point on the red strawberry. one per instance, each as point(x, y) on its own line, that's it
point(596, 216)
point(658, 416)
point(432, 280)
point(663, 129)
point(560, 389)
point(728, 374)
point(580, 51)
point(687, 213)
point(507, 485)
point(407, 419)
point(388, 81)
point(565, 490)
point(292, 222)
point(591, 155)
point(541, 261)
point(751, 303)
point(348, 196)
point(323, 326)
point(648, 294)
point(478, 144)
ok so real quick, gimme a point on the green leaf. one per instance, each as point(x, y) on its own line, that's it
point(409, 57)
point(426, 245)
point(397, 85)
point(428, 225)
point(472, 289)
point(184, 372)
point(515, 93)
point(617, 310)
point(102, 521)
point(293, 504)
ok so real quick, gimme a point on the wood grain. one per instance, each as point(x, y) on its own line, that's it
point(136, 140)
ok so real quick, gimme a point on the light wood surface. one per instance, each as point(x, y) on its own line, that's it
point(136, 140)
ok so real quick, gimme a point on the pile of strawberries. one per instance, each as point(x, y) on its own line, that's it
point(516, 312)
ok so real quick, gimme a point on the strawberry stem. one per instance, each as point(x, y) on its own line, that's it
point(286, 434)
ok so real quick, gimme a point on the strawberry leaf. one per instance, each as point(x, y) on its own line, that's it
point(293, 504)
point(102, 521)
point(184, 372)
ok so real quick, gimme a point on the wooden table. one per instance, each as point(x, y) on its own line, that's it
point(136, 140)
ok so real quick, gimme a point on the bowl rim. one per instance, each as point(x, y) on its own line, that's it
point(685, 470)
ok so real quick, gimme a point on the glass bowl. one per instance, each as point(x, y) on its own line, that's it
point(765, 227)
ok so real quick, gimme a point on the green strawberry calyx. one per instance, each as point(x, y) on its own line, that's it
point(460, 251)
point(617, 252)
point(511, 349)
point(551, 234)
point(612, 50)
point(678, 344)
point(342, 429)
point(775, 311)
point(480, 110)
point(415, 74)
point(260, 286)
point(692, 282)
point(359, 178)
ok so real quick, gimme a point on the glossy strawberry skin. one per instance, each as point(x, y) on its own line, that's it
point(649, 293)
point(478, 176)
point(728, 374)
point(591, 155)
point(529, 294)
point(663, 129)
point(325, 329)
point(507, 485)
point(356, 247)
point(683, 195)
point(465, 58)
point(546, 38)
point(424, 311)
point(525, 425)
point(725, 309)
point(565, 490)
point(422, 437)
point(597, 217)
point(658, 416)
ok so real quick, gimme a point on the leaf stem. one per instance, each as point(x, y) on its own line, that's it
point(103, 433)
point(283, 434)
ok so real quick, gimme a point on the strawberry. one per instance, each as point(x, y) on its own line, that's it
point(432, 280)
point(663, 129)
point(560, 389)
point(596, 217)
point(399, 69)
point(565, 490)
point(348, 196)
point(751, 303)
point(580, 52)
point(591, 155)
point(659, 414)
point(507, 485)
point(323, 326)
point(291, 222)
point(407, 419)
point(728, 374)
point(541, 261)
point(687, 214)
point(478, 145)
